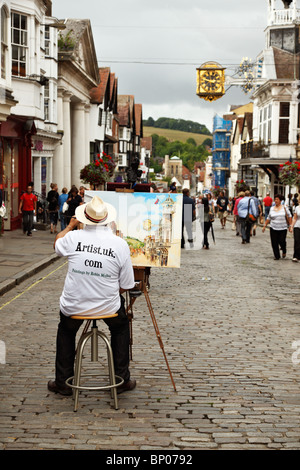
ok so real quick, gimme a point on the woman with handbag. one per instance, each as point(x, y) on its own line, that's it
point(280, 220)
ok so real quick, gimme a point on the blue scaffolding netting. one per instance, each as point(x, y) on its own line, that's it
point(221, 150)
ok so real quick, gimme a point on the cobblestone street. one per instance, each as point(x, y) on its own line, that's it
point(228, 319)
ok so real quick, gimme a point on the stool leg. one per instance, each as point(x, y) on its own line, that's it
point(94, 348)
point(78, 364)
point(111, 368)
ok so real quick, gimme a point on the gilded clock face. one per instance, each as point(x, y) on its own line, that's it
point(211, 81)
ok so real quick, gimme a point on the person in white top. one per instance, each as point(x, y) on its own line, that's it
point(296, 230)
point(99, 271)
point(280, 221)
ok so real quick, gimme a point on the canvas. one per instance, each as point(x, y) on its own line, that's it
point(150, 223)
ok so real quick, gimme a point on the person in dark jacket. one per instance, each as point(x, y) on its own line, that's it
point(188, 215)
point(52, 199)
point(74, 200)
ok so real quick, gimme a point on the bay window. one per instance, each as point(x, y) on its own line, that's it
point(19, 42)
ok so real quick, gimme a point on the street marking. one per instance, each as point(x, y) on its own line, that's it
point(32, 285)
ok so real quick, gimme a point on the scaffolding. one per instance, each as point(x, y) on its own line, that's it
point(221, 150)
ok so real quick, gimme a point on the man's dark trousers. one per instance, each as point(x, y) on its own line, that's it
point(65, 345)
point(245, 229)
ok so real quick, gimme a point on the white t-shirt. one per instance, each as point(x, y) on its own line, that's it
point(99, 265)
point(297, 211)
point(278, 218)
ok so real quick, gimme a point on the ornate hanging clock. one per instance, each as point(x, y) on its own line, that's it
point(210, 81)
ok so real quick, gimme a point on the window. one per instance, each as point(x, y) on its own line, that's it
point(19, 40)
point(100, 117)
point(47, 41)
point(108, 120)
point(265, 121)
point(46, 101)
point(4, 41)
point(284, 123)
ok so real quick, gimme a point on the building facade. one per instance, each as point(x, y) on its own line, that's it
point(77, 74)
point(276, 127)
point(28, 134)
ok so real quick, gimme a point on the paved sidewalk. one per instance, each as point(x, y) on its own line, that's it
point(229, 322)
point(22, 256)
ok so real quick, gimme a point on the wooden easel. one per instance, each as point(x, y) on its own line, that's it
point(142, 279)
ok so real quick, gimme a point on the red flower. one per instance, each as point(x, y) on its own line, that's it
point(97, 163)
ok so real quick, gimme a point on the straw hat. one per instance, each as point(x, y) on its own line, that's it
point(96, 212)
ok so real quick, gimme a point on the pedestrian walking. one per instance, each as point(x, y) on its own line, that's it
point(73, 201)
point(53, 206)
point(81, 192)
point(295, 201)
point(208, 218)
point(258, 210)
point(93, 288)
point(296, 231)
point(27, 208)
point(238, 229)
point(280, 220)
point(268, 201)
point(215, 206)
point(245, 207)
point(173, 188)
point(61, 200)
point(188, 215)
point(222, 204)
point(210, 202)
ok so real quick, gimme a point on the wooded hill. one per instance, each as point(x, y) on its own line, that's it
point(177, 125)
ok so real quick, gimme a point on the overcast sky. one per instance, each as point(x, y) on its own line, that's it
point(155, 46)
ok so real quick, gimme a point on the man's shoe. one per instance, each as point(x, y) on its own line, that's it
point(130, 385)
point(52, 387)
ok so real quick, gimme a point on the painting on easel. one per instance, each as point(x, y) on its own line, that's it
point(150, 223)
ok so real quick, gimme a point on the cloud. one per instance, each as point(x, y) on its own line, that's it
point(178, 35)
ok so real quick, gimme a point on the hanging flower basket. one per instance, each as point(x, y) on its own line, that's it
point(241, 186)
point(289, 173)
point(98, 172)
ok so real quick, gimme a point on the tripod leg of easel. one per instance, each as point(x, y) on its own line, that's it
point(129, 313)
point(157, 333)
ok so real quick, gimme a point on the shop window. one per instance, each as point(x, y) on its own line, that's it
point(19, 42)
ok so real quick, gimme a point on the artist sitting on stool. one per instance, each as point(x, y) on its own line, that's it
point(100, 269)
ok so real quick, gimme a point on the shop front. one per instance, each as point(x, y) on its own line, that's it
point(15, 166)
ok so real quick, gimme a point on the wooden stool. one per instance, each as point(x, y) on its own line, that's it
point(93, 334)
